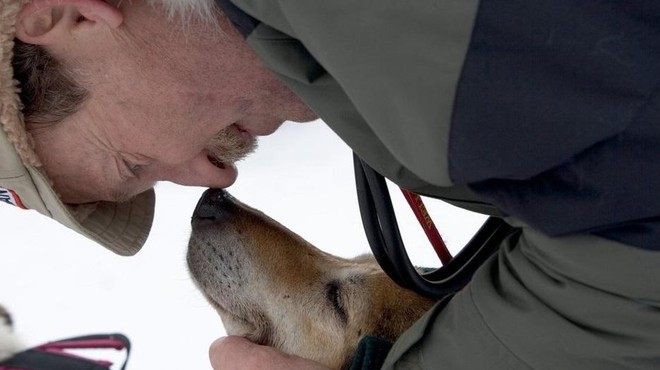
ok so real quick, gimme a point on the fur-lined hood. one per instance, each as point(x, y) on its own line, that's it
point(10, 104)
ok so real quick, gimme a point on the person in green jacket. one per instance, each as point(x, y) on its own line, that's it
point(541, 113)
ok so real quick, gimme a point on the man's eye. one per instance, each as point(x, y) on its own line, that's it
point(132, 169)
point(335, 299)
point(135, 167)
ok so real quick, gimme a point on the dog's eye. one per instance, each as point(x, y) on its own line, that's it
point(335, 299)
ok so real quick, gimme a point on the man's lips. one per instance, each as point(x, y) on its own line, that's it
point(216, 162)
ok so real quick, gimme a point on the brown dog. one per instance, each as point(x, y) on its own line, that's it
point(273, 287)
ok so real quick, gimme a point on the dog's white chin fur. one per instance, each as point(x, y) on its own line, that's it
point(9, 343)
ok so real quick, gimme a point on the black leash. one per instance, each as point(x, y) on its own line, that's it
point(383, 234)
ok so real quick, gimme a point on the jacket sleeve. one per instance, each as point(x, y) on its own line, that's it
point(579, 302)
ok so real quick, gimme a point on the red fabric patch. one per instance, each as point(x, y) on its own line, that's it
point(10, 197)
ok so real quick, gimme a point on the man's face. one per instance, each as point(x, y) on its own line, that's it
point(167, 103)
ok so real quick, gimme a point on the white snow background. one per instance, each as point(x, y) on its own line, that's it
point(57, 284)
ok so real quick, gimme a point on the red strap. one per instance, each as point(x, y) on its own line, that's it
point(75, 343)
point(54, 355)
point(417, 205)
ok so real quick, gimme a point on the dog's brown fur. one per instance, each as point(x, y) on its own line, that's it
point(273, 287)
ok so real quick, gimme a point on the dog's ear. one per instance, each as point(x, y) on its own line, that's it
point(386, 328)
point(365, 258)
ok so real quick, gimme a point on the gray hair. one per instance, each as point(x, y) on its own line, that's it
point(187, 9)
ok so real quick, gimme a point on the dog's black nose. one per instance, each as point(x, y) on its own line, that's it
point(212, 205)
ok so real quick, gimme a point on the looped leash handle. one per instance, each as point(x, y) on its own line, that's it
point(384, 238)
point(53, 355)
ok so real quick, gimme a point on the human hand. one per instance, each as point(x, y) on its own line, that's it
point(238, 353)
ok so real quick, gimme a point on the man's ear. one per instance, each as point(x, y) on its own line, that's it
point(44, 22)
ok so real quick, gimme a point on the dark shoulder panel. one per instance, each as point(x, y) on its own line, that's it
point(545, 80)
point(557, 116)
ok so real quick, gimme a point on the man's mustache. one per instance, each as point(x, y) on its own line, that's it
point(230, 145)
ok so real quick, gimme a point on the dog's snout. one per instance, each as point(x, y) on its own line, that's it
point(212, 206)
